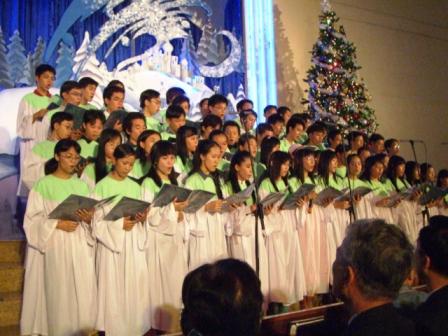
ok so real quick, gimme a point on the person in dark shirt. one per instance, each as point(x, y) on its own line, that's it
point(371, 264)
point(432, 268)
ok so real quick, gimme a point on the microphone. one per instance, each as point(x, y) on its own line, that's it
point(411, 140)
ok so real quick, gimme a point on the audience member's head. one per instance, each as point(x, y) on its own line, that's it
point(220, 299)
point(432, 253)
point(371, 264)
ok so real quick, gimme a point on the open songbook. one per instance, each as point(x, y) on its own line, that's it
point(272, 198)
point(66, 210)
point(238, 198)
point(432, 194)
point(127, 207)
point(290, 202)
point(77, 113)
point(196, 198)
point(357, 192)
point(328, 193)
point(52, 106)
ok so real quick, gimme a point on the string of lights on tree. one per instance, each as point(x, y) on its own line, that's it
point(336, 95)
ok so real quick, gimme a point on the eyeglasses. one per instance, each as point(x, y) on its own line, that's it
point(71, 157)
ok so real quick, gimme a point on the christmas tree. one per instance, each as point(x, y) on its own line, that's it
point(5, 79)
point(336, 94)
point(16, 58)
point(64, 64)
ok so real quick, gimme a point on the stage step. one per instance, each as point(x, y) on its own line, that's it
point(12, 330)
point(11, 277)
point(12, 251)
point(10, 306)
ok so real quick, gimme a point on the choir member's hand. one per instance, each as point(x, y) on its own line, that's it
point(141, 216)
point(180, 206)
point(85, 215)
point(416, 195)
point(268, 209)
point(253, 208)
point(39, 115)
point(234, 206)
point(76, 135)
point(312, 195)
point(357, 198)
point(301, 202)
point(342, 204)
point(128, 223)
point(66, 225)
point(214, 206)
point(383, 202)
point(326, 202)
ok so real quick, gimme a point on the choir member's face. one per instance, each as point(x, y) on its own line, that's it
point(110, 146)
point(444, 182)
point(431, 175)
point(45, 81)
point(284, 169)
point(287, 115)
point(219, 110)
point(137, 127)
point(244, 170)
point(270, 112)
point(68, 160)
point(358, 143)
point(232, 134)
point(355, 166)
point(249, 122)
point(89, 92)
point(149, 142)
point(252, 149)
point(377, 147)
point(176, 123)
point(316, 138)
point(204, 108)
point(191, 143)
point(333, 165)
point(277, 129)
point(124, 165)
point(165, 164)
point(296, 132)
point(152, 106)
point(221, 140)
point(336, 141)
point(400, 170)
point(63, 129)
point(93, 130)
point(115, 102)
point(73, 96)
point(377, 170)
point(416, 173)
point(394, 149)
point(211, 159)
point(309, 162)
point(185, 106)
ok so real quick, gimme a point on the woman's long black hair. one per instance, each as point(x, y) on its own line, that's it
point(204, 148)
point(267, 145)
point(237, 159)
point(140, 152)
point(161, 148)
point(100, 161)
point(391, 171)
point(183, 133)
point(62, 146)
point(273, 169)
point(323, 167)
point(370, 162)
point(298, 168)
point(410, 171)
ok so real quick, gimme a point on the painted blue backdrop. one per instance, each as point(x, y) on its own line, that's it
point(42, 18)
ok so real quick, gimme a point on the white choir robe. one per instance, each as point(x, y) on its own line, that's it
point(167, 266)
point(242, 243)
point(295, 269)
point(206, 237)
point(383, 213)
point(33, 169)
point(60, 294)
point(29, 134)
point(363, 208)
point(123, 279)
point(336, 221)
point(313, 242)
point(406, 219)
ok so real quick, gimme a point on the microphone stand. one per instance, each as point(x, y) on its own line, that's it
point(351, 210)
point(259, 214)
